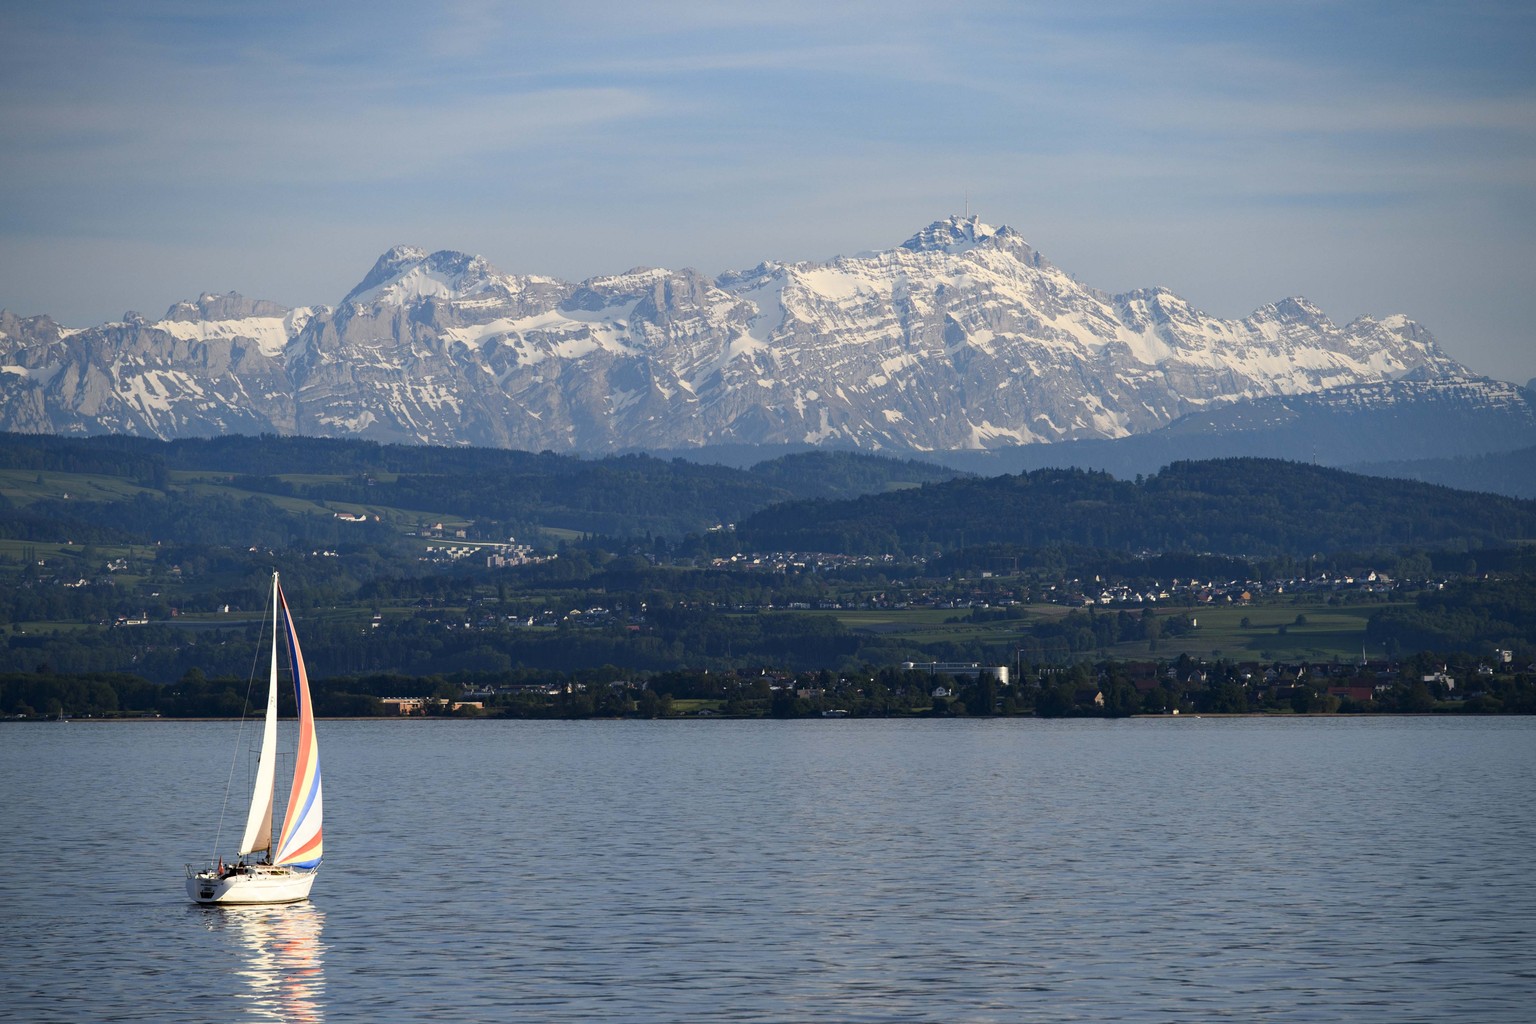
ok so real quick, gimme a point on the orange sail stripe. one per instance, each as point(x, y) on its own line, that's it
point(313, 846)
point(304, 796)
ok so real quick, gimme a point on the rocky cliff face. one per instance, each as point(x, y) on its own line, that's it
point(185, 375)
point(962, 337)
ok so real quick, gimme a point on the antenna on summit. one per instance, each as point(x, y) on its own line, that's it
point(967, 204)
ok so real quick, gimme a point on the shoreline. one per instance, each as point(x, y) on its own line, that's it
point(1275, 715)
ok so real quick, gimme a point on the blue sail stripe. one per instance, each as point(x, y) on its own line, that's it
point(309, 801)
point(295, 828)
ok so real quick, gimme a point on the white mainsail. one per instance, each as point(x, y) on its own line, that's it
point(258, 825)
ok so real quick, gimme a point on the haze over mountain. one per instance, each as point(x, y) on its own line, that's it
point(962, 338)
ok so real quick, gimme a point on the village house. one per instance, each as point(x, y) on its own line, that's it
point(418, 705)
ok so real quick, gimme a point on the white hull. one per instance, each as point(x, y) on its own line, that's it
point(253, 885)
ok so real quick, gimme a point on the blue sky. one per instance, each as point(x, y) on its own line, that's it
point(1376, 157)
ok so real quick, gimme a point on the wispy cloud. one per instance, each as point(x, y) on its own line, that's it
point(370, 141)
point(1191, 140)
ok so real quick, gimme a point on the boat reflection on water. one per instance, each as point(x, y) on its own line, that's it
point(283, 961)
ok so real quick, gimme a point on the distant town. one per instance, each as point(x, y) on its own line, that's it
point(491, 583)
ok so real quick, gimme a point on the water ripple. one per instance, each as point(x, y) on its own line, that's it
point(1151, 870)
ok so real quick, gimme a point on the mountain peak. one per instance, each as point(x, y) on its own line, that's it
point(406, 273)
point(230, 306)
point(957, 234)
point(1295, 310)
point(953, 234)
point(386, 268)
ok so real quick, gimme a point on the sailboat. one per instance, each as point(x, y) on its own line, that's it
point(284, 871)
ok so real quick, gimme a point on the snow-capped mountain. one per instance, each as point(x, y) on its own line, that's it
point(962, 337)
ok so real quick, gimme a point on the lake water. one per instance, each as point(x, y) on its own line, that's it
point(1146, 870)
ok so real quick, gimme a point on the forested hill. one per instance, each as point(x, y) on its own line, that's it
point(1511, 472)
point(506, 491)
point(1253, 507)
point(281, 492)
